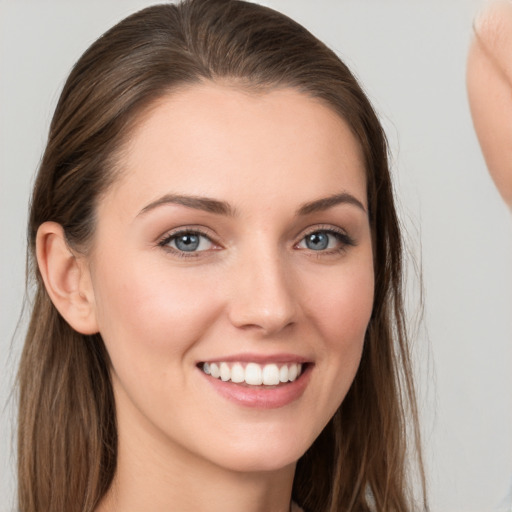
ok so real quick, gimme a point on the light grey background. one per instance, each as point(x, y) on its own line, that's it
point(410, 56)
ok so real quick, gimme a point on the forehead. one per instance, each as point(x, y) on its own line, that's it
point(223, 141)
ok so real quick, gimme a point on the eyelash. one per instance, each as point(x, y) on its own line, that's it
point(342, 237)
point(169, 237)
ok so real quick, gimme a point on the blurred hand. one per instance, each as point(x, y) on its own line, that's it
point(489, 83)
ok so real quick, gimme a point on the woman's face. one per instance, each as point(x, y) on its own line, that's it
point(236, 240)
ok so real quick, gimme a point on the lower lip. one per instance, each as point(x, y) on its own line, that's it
point(262, 397)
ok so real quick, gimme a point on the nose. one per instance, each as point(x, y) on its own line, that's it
point(263, 298)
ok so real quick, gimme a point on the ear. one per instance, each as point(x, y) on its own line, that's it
point(67, 278)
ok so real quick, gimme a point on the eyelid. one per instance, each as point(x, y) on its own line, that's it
point(323, 227)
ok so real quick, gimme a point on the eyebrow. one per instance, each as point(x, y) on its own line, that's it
point(223, 208)
point(198, 203)
point(328, 202)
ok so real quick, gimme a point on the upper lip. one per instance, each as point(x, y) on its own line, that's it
point(259, 358)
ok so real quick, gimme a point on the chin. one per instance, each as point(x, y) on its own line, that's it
point(261, 462)
point(264, 454)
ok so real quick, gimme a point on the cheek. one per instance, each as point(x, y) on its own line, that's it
point(149, 311)
point(339, 308)
point(343, 307)
point(342, 310)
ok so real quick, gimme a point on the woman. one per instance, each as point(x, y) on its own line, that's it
point(218, 320)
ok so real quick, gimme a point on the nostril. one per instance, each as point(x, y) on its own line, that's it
point(268, 321)
point(263, 297)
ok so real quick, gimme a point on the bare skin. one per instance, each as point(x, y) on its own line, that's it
point(489, 83)
point(237, 231)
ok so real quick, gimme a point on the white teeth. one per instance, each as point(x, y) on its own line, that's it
point(237, 373)
point(214, 371)
point(270, 375)
point(254, 374)
point(225, 372)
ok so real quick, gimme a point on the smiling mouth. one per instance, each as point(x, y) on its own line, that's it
point(254, 374)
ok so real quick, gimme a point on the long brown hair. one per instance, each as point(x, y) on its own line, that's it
point(67, 438)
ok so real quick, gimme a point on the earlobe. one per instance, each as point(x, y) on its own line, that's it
point(66, 278)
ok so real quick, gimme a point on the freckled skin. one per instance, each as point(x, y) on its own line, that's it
point(255, 289)
point(489, 82)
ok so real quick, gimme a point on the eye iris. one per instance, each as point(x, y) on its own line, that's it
point(317, 241)
point(188, 242)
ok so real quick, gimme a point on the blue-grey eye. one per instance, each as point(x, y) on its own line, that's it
point(322, 240)
point(317, 241)
point(189, 241)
